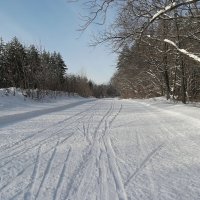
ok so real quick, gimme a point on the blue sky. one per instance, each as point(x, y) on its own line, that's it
point(53, 25)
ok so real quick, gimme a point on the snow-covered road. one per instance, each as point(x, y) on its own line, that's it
point(105, 149)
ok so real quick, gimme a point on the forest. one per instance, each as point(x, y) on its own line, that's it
point(157, 43)
point(39, 70)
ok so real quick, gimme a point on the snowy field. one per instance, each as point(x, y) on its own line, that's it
point(106, 149)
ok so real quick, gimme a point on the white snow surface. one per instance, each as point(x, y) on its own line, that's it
point(11, 104)
point(107, 149)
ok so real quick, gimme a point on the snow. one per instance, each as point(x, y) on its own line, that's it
point(162, 11)
point(191, 55)
point(100, 149)
point(171, 6)
point(19, 104)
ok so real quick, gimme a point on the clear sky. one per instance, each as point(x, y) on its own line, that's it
point(53, 25)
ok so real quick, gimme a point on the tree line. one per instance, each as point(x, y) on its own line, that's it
point(31, 69)
point(158, 46)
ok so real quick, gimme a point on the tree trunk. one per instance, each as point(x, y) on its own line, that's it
point(182, 65)
point(183, 81)
point(165, 65)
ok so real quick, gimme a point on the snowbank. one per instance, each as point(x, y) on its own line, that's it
point(14, 101)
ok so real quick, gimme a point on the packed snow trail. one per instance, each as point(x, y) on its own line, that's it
point(10, 119)
point(107, 149)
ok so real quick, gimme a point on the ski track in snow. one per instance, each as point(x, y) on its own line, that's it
point(47, 170)
point(102, 150)
point(59, 129)
point(47, 129)
point(28, 194)
point(61, 176)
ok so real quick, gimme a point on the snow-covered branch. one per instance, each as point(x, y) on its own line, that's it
point(183, 51)
point(170, 7)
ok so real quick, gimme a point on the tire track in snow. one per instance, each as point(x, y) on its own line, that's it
point(114, 169)
point(18, 175)
point(10, 148)
point(10, 119)
point(41, 142)
point(85, 119)
point(18, 194)
point(28, 194)
point(20, 153)
point(30, 164)
point(143, 163)
point(10, 181)
point(87, 127)
point(169, 129)
point(62, 141)
point(111, 157)
point(84, 129)
point(47, 170)
point(78, 174)
point(104, 195)
point(27, 167)
point(105, 117)
point(84, 184)
point(145, 158)
point(98, 135)
point(115, 116)
point(85, 165)
point(6, 147)
point(61, 176)
point(30, 147)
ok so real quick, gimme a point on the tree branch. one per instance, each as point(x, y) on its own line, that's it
point(183, 51)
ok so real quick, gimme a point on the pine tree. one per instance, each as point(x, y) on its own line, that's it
point(15, 63)
point(2, 68)
point(34, 66)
